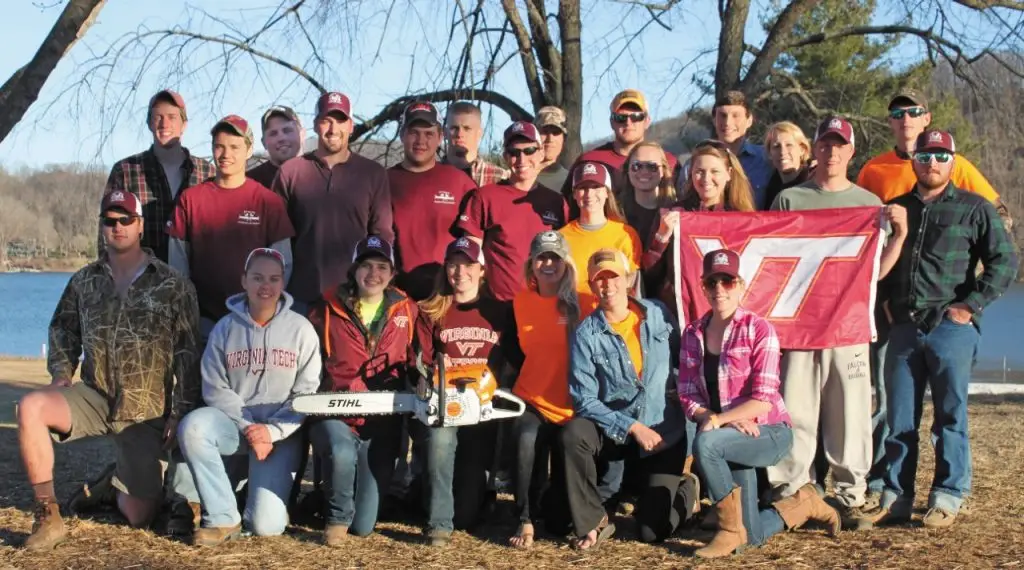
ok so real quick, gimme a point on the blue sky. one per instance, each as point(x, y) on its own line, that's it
point(69, 124)
point(370, 61)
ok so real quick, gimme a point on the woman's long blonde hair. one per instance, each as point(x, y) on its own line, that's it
point(739, 197)
point(568, 300)
point(793, 130)
point(437, 305)
point(666, 190)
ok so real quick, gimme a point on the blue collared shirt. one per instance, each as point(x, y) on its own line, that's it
point(758, 168)
point(604, 385)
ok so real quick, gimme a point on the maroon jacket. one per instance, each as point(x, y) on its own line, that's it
point(361, 360)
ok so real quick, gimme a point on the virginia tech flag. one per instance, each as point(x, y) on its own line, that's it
point(811, 273)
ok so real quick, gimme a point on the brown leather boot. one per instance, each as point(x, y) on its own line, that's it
point(48, 528)
point(216, 535)
point(805, 505)
point(335, 534)
point(731, 535)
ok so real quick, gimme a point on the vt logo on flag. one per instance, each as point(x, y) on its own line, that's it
point(811, 273)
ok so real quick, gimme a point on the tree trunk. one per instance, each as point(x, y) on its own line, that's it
point(733, 14)
point(572, 78)
point(21, 90)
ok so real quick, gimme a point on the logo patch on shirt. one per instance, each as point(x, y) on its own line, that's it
point(444, 197)
point(549, 217)
point(401, 321)
point(249, 218)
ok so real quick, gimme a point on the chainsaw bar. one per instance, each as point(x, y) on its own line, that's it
point(355, 403)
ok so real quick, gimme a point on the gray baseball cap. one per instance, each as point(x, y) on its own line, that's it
point(549, 241)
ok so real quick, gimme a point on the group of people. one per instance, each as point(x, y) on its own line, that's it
point(220, 294)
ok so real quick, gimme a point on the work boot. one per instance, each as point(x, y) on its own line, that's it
point(938, 517)
point(731, 536)
point(216, 535)
point(95, 494)
point(48, 528)
point(439, 538)
point(805, 505)
point(897, 513)
point(334, 534)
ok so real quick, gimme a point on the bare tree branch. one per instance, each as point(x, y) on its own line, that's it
point(547, 53)
point(21, 90)
point(734, 21)
point(393, 110)
point(774, 43)
point(533, 80)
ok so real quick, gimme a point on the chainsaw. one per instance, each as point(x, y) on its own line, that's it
point(457, 396)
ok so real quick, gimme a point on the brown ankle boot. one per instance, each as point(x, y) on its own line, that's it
point(48, 528)
point(731, 535)
point(805, 505)
point(216, 535)
point(334, 534)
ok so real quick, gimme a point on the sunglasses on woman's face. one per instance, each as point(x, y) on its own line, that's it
point(519, 152)
point(926, 157)
point(636, 117)
point(914, 113)
point(728, 282)
point(644, 165)
point(123, 220)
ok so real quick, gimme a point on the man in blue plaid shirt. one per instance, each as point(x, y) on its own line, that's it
point(157, 175)
point(936, 298)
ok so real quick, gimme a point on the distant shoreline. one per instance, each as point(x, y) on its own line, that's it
point(44, 264)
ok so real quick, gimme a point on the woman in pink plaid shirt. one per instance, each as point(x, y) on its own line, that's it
point(729, 386)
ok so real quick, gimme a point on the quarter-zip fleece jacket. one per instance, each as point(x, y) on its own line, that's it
point(252, 372)
point(357, 359)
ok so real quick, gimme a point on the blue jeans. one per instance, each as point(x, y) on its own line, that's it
point(209, 441)
point(457, 464)
point(356, 468)
point(941, 359)
point(726, 459)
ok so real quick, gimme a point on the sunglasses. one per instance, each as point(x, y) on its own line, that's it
point(638, 165)
point(112, 222)
point(914, 112)
point(636, 117)
point(728, 282)
point(926, 157)
point(519, 152)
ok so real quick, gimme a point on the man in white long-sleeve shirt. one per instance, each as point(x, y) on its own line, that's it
point(216, 224)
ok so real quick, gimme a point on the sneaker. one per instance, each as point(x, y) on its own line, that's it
point(898, 513)
point(439, 538)
point(95, 494)
point(938, 517)
point(48, 528)
point(335, 534)
point(216, 535)
point(965, 506)
point(853, 517)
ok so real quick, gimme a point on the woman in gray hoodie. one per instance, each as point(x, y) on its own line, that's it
point(258, 358)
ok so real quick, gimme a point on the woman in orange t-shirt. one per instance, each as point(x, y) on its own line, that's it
point(546, 313)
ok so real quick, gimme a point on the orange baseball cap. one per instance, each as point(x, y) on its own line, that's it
point(629, 96)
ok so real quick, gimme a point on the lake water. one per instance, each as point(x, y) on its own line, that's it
point(28, 300)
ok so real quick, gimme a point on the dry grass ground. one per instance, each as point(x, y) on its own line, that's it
point(991, 537)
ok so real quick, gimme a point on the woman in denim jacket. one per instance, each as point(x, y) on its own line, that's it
point(625, 408)
point(729, 385)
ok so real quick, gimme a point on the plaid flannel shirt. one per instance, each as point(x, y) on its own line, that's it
point(142, 175)
point(947, 239)
point(484, 173)
point(748, 368)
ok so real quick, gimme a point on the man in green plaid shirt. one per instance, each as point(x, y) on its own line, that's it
point(936, 298)
point(157, 175)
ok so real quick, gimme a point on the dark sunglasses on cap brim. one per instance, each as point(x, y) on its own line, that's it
point(518, 152)
point(636, 117)
point(914, 112)
point(728, 282)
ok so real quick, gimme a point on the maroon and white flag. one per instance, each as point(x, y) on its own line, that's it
point(810, 273)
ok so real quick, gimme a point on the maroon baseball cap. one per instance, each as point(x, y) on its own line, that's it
point(171, 97)
point(122, 200)
point(936, 141)
point(236, 125)
point(333, 101)
point(421, 111)
point(523, 130)
point(835, 126)
point(467, 247)
point(373, 246)
point(724, 261)
point(591, 172)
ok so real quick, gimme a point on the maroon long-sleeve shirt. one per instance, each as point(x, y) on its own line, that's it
point(331, 209)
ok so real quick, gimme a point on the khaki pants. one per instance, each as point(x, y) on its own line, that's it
point(832, 386)
point(141, 460)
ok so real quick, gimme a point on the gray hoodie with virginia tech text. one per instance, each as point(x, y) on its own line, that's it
point(252, 372)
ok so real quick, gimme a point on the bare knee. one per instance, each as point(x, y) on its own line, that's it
point(46, 408)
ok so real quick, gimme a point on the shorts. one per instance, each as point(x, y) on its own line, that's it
point(141, 459)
